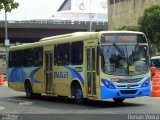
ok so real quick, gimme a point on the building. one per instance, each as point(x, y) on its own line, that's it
point(82, 10)
point(126, 12)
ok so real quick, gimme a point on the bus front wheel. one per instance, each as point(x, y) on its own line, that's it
point(78, 95)
point(118, 100)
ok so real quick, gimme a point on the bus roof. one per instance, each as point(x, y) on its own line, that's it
point(136, 32)
point(67, 35)
point(72, 37)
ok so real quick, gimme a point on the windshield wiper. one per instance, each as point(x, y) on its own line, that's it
point(119, 50)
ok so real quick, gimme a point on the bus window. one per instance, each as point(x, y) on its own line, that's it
point(55, 55)
point(77, 53)
point(18, 58)
point(28, 58)
point(63, 54)
point(11, 59)
point(38, 56)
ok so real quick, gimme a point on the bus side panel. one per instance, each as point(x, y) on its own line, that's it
point(17, 77)
point(16, 86)
point(77, 74)
point(38, 81)
point(63, 77)
point(62, 81)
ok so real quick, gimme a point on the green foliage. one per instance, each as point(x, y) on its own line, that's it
point(149, 23)
point(8, 5)
point(129, 28)
point(1, 45)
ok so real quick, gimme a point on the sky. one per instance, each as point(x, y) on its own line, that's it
point(37, 9)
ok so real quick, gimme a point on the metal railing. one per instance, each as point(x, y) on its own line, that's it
point(69, 22)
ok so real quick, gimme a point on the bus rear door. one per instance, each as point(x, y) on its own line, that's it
point(49, 70)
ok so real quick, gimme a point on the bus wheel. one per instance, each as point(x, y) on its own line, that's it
point(28, 89)
point(78, 95)
point(118, 100)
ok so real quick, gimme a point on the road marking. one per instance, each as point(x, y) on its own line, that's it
point(21, 102)
point(2, 108)
point(25, 103)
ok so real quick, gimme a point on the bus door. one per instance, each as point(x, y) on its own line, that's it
point(91, 70)
point(49, 71)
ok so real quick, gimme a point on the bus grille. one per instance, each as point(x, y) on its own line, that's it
point(128, 91)
point(129, 80)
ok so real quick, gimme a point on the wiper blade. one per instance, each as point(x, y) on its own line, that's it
point(119, 50)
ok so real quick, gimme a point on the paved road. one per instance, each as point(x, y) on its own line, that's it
point(14, 103)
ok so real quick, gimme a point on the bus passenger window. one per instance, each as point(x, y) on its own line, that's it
point(55, 55)
point(63, 54)
point(11, 59)
point(28, 58)
point(18, 60)
point(38, 56)
point(77, 53)
point(66, 54)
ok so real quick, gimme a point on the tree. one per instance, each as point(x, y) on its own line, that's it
point(149, 23)
point(128, 28)
point(8, 5)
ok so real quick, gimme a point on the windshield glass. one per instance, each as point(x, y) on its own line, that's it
point(125, 59)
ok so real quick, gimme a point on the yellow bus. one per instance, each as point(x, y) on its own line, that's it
point(83, 65)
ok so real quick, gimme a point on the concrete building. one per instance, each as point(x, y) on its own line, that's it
point(126, 12)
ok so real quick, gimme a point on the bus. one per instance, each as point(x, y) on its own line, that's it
point(83, 65)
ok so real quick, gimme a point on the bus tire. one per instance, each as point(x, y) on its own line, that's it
point(118, 100)
point(28, 89)
point(78, 95)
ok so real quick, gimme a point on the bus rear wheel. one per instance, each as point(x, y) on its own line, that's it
point(118, 100)
point(29, 91)
point(78, 95)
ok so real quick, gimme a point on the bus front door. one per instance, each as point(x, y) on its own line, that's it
point(49, 71)
point(91, 71)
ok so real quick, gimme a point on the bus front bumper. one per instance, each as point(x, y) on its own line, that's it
point(124, 93)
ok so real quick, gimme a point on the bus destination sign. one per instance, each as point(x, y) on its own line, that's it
point(123, 38)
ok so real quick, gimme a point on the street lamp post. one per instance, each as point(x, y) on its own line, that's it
point(90, 16)
point(6, 31)
point(7, 42)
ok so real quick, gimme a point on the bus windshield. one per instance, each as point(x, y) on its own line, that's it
point(125, 59)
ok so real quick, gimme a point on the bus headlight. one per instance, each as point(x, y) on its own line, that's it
point(146, 83)
point(108, 84)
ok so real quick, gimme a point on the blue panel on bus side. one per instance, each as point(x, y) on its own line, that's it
point(17, 75)
point(75, 74)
